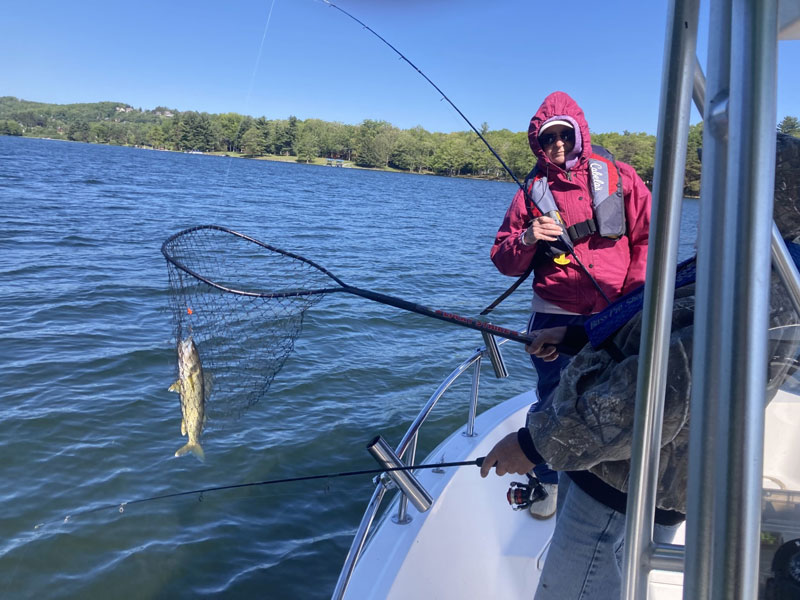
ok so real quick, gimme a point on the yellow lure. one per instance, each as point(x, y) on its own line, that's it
point(561, 259)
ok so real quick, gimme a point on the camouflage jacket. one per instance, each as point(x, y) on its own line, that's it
point(588, 426)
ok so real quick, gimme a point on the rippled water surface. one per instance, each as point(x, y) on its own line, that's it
point(87, 355)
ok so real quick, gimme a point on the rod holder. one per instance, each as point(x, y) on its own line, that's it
point(496, 358)
point(405, 480)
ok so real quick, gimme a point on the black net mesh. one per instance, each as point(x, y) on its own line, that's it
point(243, 334)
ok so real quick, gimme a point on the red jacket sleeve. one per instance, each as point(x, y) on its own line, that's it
point(508, 254)
point(637, 214)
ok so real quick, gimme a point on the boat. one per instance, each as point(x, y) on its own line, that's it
point(451, 534)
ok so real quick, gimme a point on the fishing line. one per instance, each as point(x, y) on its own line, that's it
point(528, 197)
point(121, 506)
point(249, 94)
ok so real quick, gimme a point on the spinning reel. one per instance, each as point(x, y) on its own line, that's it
point(522, 495)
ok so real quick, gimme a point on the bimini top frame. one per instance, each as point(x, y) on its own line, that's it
point(730, 355)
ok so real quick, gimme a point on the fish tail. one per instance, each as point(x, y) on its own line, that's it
point(193, 447)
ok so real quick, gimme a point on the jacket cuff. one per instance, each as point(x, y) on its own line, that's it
point(521, 238)
point(526, 443)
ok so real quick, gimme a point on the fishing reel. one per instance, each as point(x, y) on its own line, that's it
point(522, 495)
point(560, 248)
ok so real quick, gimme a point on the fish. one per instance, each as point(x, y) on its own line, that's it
point(194, 387)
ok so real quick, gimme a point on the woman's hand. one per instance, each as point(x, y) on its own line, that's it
point(544, 343)
point(542, 229)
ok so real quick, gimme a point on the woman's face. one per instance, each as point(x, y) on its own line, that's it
point(557, 142)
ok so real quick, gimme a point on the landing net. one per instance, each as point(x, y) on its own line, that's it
point(243, 338)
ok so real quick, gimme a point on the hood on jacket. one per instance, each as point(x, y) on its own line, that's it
point(560, 105)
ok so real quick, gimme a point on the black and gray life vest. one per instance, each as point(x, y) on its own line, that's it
point(607, 201)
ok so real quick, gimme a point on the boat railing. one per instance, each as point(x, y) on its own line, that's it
point(407, 449)
point(728, 374)
point(728, 371)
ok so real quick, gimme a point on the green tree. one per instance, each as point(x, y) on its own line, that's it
point(168, 129)
point(343, 140)
point(253, 142)
point(691, 182)
point(192, 131)
point(292, 127)
point(10, 128)
point(519, 157)
point(636, 149)
point(414, 150)
point(100, 133)
point(228, 128)
point(375, 143)
point(156, 137)
point(452, 156)
point(306, 143)
point(790, 126)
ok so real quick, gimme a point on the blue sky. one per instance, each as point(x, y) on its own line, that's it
point(495, 60)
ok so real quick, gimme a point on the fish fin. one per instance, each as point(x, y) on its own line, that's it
point(183, 426)
point(193, 447)
point(175, 387)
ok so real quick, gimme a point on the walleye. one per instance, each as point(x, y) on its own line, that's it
point(194, 387)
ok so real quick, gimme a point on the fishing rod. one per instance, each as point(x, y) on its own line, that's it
point(528, 197)
point(122, 505)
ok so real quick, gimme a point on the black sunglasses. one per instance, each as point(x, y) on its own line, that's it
point(546, 139)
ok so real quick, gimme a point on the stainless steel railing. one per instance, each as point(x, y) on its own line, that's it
point(407, 447)
point(728, 373)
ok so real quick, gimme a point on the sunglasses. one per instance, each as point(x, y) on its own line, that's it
point(547, 139)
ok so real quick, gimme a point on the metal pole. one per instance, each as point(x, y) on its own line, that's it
point(357, 545)
point(699, 89)
point(785, 267)
point(710, 377)
point(668, 557)
point(750, 192)
point(673, 131)
point(473, 400)
point(402, 518)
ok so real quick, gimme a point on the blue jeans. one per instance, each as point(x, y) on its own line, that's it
point(549, 374)
point(584, 561)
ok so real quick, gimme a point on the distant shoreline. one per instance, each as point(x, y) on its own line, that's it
point(318, 161)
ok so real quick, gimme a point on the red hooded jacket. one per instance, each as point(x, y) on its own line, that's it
point(617, 265)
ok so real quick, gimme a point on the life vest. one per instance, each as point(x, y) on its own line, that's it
point(607, 201)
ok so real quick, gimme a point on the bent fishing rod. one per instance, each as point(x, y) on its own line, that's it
point(528, 197)
point(121, 506)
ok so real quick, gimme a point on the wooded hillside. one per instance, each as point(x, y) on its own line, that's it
point(372, 144)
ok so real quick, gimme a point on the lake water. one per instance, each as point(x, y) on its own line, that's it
point(87, 355)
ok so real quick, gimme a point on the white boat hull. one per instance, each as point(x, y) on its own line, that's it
point(470, 544)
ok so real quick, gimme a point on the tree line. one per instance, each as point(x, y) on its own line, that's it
point(370, 144)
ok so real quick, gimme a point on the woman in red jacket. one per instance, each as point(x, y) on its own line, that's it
point(608, 227)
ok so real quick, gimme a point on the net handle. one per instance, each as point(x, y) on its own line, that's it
point(442, 315)
point(419, 309)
